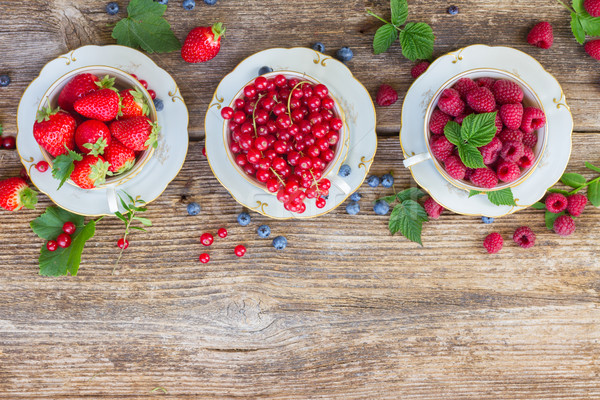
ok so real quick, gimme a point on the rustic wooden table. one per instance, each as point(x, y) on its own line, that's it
point(346, 311)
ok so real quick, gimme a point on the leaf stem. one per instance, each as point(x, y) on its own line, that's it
point(584, 185)
point(566, 6)
point(372, 14)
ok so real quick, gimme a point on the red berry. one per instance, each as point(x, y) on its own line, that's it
point(69, 228)
point(8, 142)
point(575, 204)
point(556, 203)
point(438, 122)
point(507, 92)
point(63, 240)
point(592, 7)
point(23, 174)
point(134, 76)
point(144, 83)
point(511, 134)
point(206, 239)
point(222, 232)
point(455, 167)
point(240, 250)
point(227, 113)
point(441, 147)
point(204, 258)
point(564, 225)
point(541, 35)
point(42, 166)
point(524, 237)
point(533, 119)
point(152, 94)
point(418, 69)
point(511, 115)
point(484, 177)
point(239, 117)
point(464, 86)
point(512, 150)
point(486, 82)
point(491, 151)
point(51, 245)
point(204, 151)
point(386, 96)
point(320, 202)
point(530, 139)
point(508, 171)
point(593, 48)
point(481, 100)
point(321, 90)
point(527, 159)
point(450, 103)
point(433, 209)
point(493, 242)
point(123, 243)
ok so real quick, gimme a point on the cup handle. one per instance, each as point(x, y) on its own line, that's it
point(416, 159)
point(111, 197)
point(340, 184)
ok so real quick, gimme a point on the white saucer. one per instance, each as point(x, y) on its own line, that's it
point(558, 116)
point(167, 159)
point(349, 92)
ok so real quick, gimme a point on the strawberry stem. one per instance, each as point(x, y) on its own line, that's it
point(566, 6)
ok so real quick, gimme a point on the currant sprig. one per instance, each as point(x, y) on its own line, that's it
point(129, 217)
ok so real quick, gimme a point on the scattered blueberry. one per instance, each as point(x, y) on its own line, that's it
point(265, 70)
point(193, 208)
point(188, 4)
point(487, 220)
point(356, 196)
point(381, 207)
point(344, 54)
point(210, 2)
point(243, 219)
point(4, 80)
point(280, 242)
point(326, 197)
point(112, 8)
point(164, 2)
point(453, 10)
point(387, 181)
point(373, 181)
point(158, 104)
point(344, 170)
point(264, 231)
point(353, 208)
point(319, 47)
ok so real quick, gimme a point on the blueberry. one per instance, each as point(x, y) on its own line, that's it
point(112, 8)
point(264, 70)
point(280, 242)
point(193, 208)
point(158, 104)
point(344, 54)
point(188, 4)
point(264, 231)
point(4, 80)
point(452, 10)
point(353, 208)
point(164, 2)
point(210, 2)
point(319, 47)
point(387, 181)
point(243, 219)
point(381, 207)
point(373, 181)
point(344, 170)
point(356, 196)
point(487, 220)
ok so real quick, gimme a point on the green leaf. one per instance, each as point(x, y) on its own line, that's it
point(577, 28)
point(121, 216)
point(63, 261)
point(573, 180)
point(63, 166)
point(593, 193)
point(578, 6)
point(592, 167)
point(452, 133)
point(412, 193)
point(407, 218)
point(502, 197)
point(554, 190)
point(49, 225)
point(539, 206)
point(399, 11)
point(146, 28)
point(387, 199)
point(470, 156)
point(144, 221)
point(590, 24)
point(474, 193)
point(138, 228)
point(479, 129)
point(417, 41)
point(550, 218)
point(384, 37)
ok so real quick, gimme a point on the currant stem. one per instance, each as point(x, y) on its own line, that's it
point(290, 97)
point(277, 176)
point(260, 96)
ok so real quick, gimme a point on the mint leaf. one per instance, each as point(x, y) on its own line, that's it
point(502, 197)
point(145, 28)
point(412, 193)
point(573, 180)
point(49, 225)
point(593, 193)
point(578, 6)
point(538, 206)
point(63, 261)
point(474, 193)
point(417, 41)
point(577, 28)
point(592, 167)
point(479, 129)
point(590, 24)
point(384, 37)
point(407, 218)
point(452, 133)
point(399, 11)
point(550, 218)
point(470, 156)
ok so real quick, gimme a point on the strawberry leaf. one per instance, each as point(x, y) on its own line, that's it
point(502, 197)
point(577, 28)
point(417, 41)
point(384, 37)
point(63, 166)
point(399, 12)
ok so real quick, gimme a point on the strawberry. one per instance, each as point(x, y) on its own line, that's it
point(202, 43)
point(92, 137)
point(119, 157)
point(16, 194)
point(54, 130)
point(135, 133)
point(132, 103)
point(77, 87)
point(89, 172)
point(103, 104)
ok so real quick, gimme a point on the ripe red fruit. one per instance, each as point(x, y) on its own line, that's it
point(206, 239)
point(593, 48)
point(77, 87)
point(63, 240)
point(135, 133)
point(239, 250)
point(123, 243)
point(89, 172)
point(507, 92)
point(92, 137)
point(438, 122)
point(541, 35)
point(51, 245)
point(575, 204)
point(592, 7)
point(464, 86)
point(202, 43)
point(386, 96)
point(484, 177)
point(433, 209)
point(42, 166)
point(16, 194)
point(102, 104)
point(418, 69)
point(481, 100)
point(512, 115)
point(533, 119)
point(556, 203)
point(564, 225)
point(450, 103)
point(9, 142)
point(204, 258)
point(524, 237)
point(493, 243)
point(152, 94)
point(53, 130)
point(222, 232)
point(119, 157)
point(69, 228)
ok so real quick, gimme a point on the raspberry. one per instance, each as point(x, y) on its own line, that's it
point(575, 204)
point(486, 82)
point(450, 103)
point(527, 158)
point(460, 118)
point(541, 35)
point(508, 171)
point(433, 209)
point(419, 68)
point(438, 121)
point(484, 177)
point(464, 86)
point(468, 173)
point(493, 242)
point(524, 237)
point(592, 7)
point(441, 148)
point(490, 151)
point(530, 139)
point(593, 48)
point(512, 150)
point(386, 96)
point(511, 115)
point(507, 92)
point(499, 124)
point(564, 225)
point(511, 134)
point(455, 167)
point(533, 118)
point(481, 100)
point(556, 202)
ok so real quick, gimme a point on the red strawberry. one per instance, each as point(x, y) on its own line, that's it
point(135, 133)
point(16, 194)
point(541, 35)
point(133, 103)
point(77, 87)
point(593, 48)
point(202, 43)
point(103, 104)
point(119, 157)
point(92, 137)
point(592, 7)
point(53, 130)
point(512, 115)
point(89, 172)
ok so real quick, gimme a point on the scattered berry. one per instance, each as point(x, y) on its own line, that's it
point(533, 118)
point(23, 174)
point(511, 115)
point(193, 208)
point(455, 167)
point(69, 228)
point(345, 171)
point(264, 231)
point(381, 207)
point(541, 35)
point(4, 80)
point(240, 250)
point(592, 7)
point(202, 43)
point(487, 220)
point(419, 68)
point(51, 245)
point(188, 4)
point(158, 104)
point(143, 83)
point(280, 242)
point(112, 8)
point(593, 48)
point(386, 96)
point(484, 178)
point(450, 103)
point(556, 203)
point(122, 243)
point(387, 181)
point(210, 2)
point(493, 242)
point(227, 112)
point(353, 208)
point(264, 70)
point(318, 46)
point(206, 239)
point(453, 10)
point(355, 196)
point(204, 151)
point(433, 209)
point(344, 54)
point(244, 219)
point(524, 237)
point(441, 147)
point(373, 181)
point(508, 171)
point(564, 225)
point(204, 258)
point(16, 194)
point(481, 100)
point(512, 150)
point(575, 204)
point(63, 240)
point(438, 122)
point(9, 142)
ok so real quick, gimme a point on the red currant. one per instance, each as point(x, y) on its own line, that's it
point(234, 147)
point(240, 159)
point(239, 117)
point(63, 240)
point(143, 83)
point(315, 118)
point(283, 134)
point(313, 151)
point(261, 117)
point(204, 258)
point(250, 91)
point(336, 124)
point(280, 146)
point(264, 163)
point(249, 169)
point(328, 103)
point(324, 184)
point(270, 154)
point(283, 196)
point(260, 83)
point(152, 94)
point(279, 109)
point(327, 115)
point(69, 228)
point(42, 166)
point(267, 103)
point(240, 250)
point(307, 91)
point(332, 138)
point(320, 202)
point(293, 82)
point(270, 84)
point(8, 142)
point(247, 128)
point(239, 103)
point(51, 245)
point(297, 115)
point(328, 155)
point(314, 102)
point(261, 143)
point(206, 239)
point(123, 243)
point(280, 80)
point(263, 175)
point(23, 174)
point(222, 232)
point(304, 163)
point(134, 76)
point(227, 112)
point(321, 90)
point(283, 121)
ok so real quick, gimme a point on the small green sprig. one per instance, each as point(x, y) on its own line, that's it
point(134, 206)
point(416, 39)
point(408, 215)
point(582, 23)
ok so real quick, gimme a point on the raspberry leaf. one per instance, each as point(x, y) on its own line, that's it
point(452, 133)
point(538, 206)
point(412, 193)
point(578, 6)
point(474, 193)
point(502, 197)
point(478, 129)
point(384, 37)
point(577, 28)
point(49, 225)
point(592, 167)
point(399, 12)
point(387, 199)
point(407, 218)
point(417, 41)
point(551, 217)
point(470, 156)
point(593, 193)
point(590, 24)
point(573, 180)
